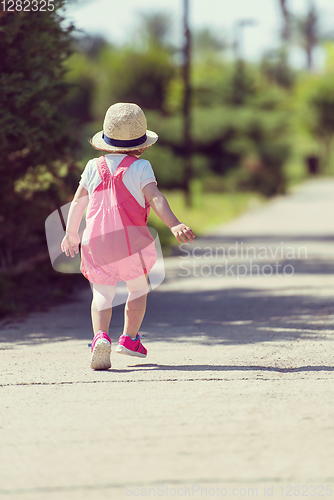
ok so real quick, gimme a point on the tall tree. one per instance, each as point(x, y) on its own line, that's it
point(187, 144)
point(156, 28)
point(286, 20)
point(206, 40)
point(307, 33)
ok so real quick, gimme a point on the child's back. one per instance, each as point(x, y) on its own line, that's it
point(119, 189)
point(116, 244)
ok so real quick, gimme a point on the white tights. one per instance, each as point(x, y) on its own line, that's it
point(103, 295)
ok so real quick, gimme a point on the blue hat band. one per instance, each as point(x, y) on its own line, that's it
point(124, 144)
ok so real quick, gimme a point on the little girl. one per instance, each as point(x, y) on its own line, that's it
point(119, 189)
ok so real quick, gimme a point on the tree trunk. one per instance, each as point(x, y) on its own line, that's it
point(309, 57)
point(187, 146)
point(286, 20)
point(311, 34)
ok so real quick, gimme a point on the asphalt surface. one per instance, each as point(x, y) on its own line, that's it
point(235, 398)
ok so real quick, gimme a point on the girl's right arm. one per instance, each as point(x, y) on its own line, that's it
point(71, 240)
point(161, 207)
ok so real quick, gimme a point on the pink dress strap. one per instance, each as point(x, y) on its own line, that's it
point(124, 165)
point(103, 169)
point(118, 177)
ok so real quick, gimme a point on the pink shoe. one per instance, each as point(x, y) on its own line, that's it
point(131, 347)
point(101, 350)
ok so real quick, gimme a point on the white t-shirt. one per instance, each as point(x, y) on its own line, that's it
point(136, 177)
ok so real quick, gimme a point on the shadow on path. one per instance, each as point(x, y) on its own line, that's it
point(247, 312)
point(229, 316)
point(227, 368)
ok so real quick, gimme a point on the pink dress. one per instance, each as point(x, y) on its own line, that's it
point(116, 243)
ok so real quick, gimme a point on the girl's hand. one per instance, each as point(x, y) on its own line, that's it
point(182, 232)
point(70, 244)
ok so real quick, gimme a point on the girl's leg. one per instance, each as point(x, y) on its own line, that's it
point(101, 307)
point(135, 306)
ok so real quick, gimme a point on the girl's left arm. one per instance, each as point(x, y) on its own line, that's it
point(71, 240)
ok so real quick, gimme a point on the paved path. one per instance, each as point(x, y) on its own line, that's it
point(235, 398)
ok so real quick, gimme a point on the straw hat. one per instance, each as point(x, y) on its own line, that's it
point(124, 128)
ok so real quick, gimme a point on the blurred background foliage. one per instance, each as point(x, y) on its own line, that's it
point(257, 128)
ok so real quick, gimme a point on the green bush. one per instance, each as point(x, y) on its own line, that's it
point(322, 126)
point(251, 141)
point(167, 166)
point(133, 75)
point(36, 136)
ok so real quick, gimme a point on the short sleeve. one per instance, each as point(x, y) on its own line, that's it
point(86, 176)
point(147, 175)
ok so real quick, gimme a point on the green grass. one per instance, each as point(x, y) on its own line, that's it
point(209, 210)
